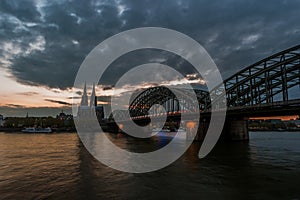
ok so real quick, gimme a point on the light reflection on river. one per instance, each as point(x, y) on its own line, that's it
point(57, 166)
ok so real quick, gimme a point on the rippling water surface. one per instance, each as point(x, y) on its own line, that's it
point(57, 166)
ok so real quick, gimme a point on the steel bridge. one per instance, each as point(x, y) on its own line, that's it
point(270, 82)
point(269, 87)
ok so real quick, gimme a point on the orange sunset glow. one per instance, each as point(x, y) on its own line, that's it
point(284, 118)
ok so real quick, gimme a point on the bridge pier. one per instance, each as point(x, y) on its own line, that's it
point(202, 129)
point(236, 129)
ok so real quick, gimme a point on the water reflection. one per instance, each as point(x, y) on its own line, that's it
point(38, 166)
point(59, 167)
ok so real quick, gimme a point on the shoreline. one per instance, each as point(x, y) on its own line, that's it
point(19, 130)
point(73, 130)
point(285, 130)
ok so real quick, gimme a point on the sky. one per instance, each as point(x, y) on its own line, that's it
point(43, 43)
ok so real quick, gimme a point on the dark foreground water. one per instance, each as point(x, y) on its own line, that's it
point(58, 167)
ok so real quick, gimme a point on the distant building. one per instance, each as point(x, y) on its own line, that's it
point(61, 116)
point(1, 120)
point(88, 110)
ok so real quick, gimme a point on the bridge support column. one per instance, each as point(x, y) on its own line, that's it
point(236, 129)
point(202, 129)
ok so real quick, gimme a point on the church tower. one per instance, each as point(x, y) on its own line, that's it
point(90, 110)
point(93, 100)
point(84, 99)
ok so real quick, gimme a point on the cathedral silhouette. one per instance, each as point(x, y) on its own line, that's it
point(92, 109)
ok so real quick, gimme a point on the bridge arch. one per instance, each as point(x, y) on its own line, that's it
point(266, 82)
point(164, 96)
point(262, 82)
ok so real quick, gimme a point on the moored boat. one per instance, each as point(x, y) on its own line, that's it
point(37, 130)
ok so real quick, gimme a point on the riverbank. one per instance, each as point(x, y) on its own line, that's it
point(54, 130)
point(276, 130)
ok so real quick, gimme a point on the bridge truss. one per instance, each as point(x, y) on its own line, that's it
point(265, 83)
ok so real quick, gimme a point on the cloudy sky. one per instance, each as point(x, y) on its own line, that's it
point(43, 43)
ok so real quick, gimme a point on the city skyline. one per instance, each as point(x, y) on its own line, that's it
point(129, 99)
point(44, 43)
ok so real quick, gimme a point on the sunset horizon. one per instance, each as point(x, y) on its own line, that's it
point(147, 100)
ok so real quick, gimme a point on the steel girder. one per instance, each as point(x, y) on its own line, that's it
point(265, 82)
point(182, 100)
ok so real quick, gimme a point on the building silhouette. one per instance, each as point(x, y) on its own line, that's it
point(90, 109)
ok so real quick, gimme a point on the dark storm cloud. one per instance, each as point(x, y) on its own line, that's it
point(23, 10)
point(74, 97)
point(104, 99)
point(140, 57)
point(50, 40)
point(14, 106)
point(28, 93)
point(58, 102)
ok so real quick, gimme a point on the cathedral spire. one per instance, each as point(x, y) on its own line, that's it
point(84, 99)
point(93, 100)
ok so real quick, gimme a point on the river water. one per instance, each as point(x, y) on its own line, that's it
point(57, 166)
